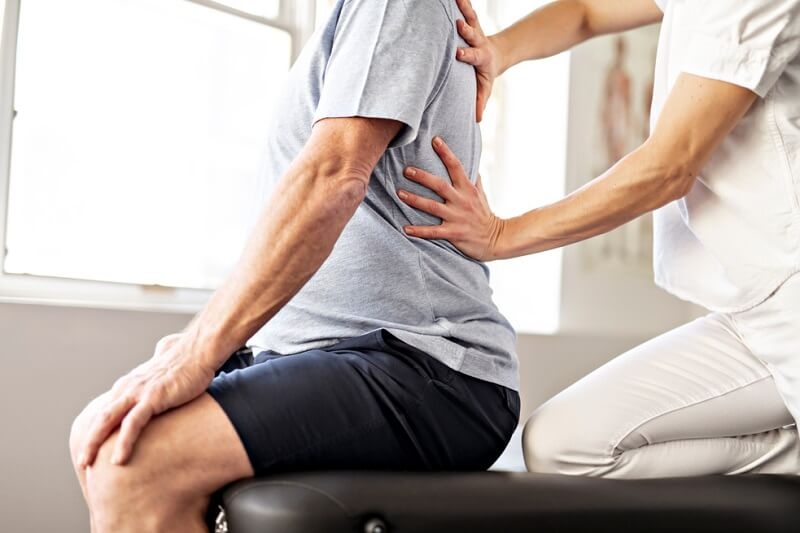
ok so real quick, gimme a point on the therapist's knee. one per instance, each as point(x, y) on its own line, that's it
point(556, 441)
point(543, 442)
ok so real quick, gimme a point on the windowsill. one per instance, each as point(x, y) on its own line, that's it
point(174, 308)
point(34, 290)
point(56, 292)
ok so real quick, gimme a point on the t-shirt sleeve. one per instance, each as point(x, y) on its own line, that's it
point(388, 60)
point(662, 4)
point(745, 42)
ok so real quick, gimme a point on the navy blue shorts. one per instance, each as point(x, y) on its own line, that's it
point(368, 403)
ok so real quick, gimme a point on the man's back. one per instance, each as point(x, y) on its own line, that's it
point(391, 59)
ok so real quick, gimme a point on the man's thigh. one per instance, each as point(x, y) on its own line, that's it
point(324, 410)
point(371, 402)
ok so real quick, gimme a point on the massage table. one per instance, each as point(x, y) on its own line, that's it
point(508, 502)
point(502, 501)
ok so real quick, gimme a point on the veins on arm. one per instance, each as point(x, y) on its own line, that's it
point(296, 231)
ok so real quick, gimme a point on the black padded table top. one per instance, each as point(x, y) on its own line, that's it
point(499, 502)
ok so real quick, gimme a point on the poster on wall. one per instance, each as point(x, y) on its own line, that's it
point(622, 67)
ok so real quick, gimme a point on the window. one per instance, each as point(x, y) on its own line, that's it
point(138, 128)
point(524, 166)
point(263, 8)
point(136, 135)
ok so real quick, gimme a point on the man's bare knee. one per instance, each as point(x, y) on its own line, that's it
point(80, 426)
point(175, 458)
point(133, 494)
point(77, 434)
point(180, 458)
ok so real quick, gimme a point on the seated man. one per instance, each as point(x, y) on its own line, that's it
point(376, 351)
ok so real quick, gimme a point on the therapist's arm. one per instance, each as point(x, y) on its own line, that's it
point(560, 25)
point(294, 235)
point(551, 29)
point(696, 118)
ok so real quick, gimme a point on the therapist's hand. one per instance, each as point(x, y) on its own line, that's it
point(483, 53)
point(467, 220)
point(171, 378)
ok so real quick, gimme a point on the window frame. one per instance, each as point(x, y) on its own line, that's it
point(296, 17)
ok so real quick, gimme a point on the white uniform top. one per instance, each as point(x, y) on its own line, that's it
point(735, 238)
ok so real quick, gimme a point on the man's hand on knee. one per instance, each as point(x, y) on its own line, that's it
point(171, 378)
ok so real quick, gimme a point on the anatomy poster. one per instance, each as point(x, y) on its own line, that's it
point(621, 68)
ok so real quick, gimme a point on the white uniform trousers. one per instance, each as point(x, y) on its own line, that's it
point(719, 395)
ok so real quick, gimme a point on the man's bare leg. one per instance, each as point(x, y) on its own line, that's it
point(78, 428)
point(181, 458)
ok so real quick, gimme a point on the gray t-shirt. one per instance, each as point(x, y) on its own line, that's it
point(391, 59)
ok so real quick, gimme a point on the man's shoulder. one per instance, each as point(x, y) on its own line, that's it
point(423, 11)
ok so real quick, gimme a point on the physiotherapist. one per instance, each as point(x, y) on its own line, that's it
point(721, 172)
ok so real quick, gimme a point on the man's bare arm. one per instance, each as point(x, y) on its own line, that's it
point(295, 234)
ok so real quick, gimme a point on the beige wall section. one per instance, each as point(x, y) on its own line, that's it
point(549, 363)
point(55, 359)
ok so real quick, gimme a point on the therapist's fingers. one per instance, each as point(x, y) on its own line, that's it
point(458, 176)
point(431, 181)
point(483, 98)
point(465, 6)
point(441, 232)
point(479, 186)
point(468, 33)
point(427, 205)
point(470, 56)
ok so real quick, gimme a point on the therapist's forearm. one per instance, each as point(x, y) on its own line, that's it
point(636, 185)
point(559, 26)
point(662, 170)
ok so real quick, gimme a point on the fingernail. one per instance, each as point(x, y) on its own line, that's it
point(410, 172)
point(437, 141)
point(460, 53)
point(410, 231)
point(82, 461)
point(116, 460)
point(402, 194)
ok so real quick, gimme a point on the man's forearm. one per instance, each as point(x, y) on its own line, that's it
point(290, 241)
point(294, 235)
point(560, 25)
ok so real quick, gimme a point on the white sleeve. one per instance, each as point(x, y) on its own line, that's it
point(745, 42)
